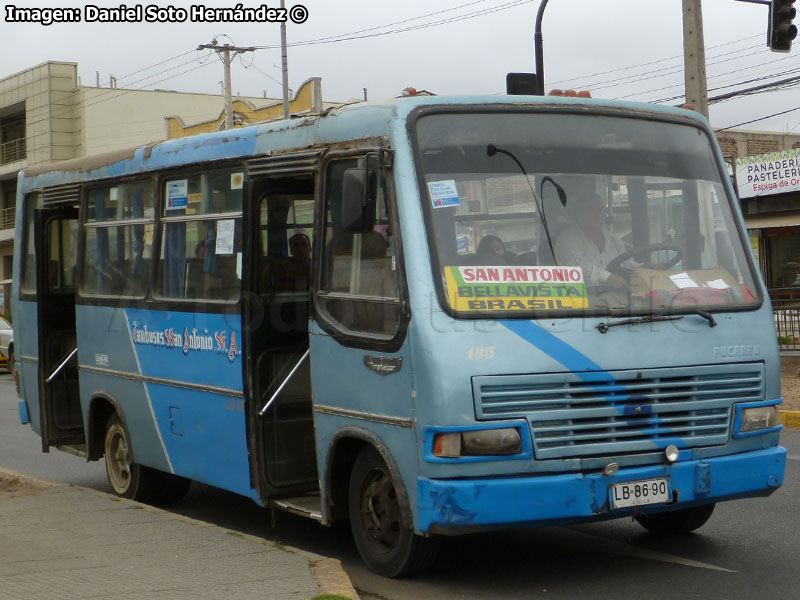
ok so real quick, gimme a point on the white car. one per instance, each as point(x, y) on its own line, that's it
point(7, 345)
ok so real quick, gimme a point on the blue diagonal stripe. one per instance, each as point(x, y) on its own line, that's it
point(555, 347)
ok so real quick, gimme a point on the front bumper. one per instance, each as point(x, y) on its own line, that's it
point(459, 506)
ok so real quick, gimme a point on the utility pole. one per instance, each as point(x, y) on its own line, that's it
point(224, 52)
point(284, 65)
point(694, 57)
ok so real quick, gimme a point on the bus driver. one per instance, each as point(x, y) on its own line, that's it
point(588, 244)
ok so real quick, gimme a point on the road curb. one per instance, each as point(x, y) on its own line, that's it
point(327, 572)
point(790, 419)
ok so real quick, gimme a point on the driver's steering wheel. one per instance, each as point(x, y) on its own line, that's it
point(615, 264)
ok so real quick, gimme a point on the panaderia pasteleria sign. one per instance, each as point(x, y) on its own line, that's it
point(767, 174)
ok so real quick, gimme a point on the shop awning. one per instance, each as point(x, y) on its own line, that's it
point(786, 219)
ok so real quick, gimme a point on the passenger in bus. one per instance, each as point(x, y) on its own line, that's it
point(299, 269)
point(587, 243)
point(491, 251)
point(300, 246)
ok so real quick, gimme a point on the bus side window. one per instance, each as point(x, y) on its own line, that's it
point(359, 285)
point(201, 241)
point(118, 240)
point(286, 232)
point(63, 252)
point(28, 283)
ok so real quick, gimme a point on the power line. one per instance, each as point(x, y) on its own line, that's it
point(113, 94)
point(743, 82)
point(353, 35)
point(777, 114)
point(417, 18)
point(671, 68)
point(679, 85)
point(155, 65)
point(647, 64)
point(677, 70)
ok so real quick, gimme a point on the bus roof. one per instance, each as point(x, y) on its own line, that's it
point(349, 122)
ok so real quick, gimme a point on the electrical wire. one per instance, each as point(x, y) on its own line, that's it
point(647, 64)
point(354, 35)
point(777, 114)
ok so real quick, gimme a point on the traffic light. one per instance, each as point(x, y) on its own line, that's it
point(781, 30)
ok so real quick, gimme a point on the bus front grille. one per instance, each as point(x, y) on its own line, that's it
point(607, 413)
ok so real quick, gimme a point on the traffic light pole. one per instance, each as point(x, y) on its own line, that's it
point(538, 48)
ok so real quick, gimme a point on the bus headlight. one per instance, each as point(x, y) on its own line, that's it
point(760, 417)
point(484, 442)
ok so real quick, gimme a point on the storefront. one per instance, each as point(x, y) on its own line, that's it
point(769, 190)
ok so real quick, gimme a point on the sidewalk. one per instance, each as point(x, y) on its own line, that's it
point(790, 419)
point(60, 541)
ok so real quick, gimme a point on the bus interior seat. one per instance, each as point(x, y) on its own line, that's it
point(224, 282)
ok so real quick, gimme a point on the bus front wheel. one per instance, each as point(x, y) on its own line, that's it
point(387, 545)
point(134, 481)
point(676, 521)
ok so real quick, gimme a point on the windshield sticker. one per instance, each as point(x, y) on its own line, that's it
point(472, 289)
point(443, 193)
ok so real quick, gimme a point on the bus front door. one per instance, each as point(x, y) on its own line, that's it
point(56, 241)
point(280, 226)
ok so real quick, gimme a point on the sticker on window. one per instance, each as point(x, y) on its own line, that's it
point(443, 193)
point(177, 194)
point(225, 231)
point(237, 181)
point(477, 289)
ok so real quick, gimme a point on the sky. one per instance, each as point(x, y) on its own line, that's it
point(617, 49)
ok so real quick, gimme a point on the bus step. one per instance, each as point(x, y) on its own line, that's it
point(305, 506)
point(76, 449)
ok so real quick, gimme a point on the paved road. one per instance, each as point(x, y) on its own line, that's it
point(748, 549)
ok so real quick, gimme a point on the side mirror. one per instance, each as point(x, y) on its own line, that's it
point(359, 192)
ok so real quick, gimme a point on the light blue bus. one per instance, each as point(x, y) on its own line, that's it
point(429, 316)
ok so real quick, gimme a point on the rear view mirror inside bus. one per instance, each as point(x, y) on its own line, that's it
point(359, 189)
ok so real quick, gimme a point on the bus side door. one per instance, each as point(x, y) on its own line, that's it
point(56, 243)
point(280, 233)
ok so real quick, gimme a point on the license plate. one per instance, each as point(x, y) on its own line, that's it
point(637, 493)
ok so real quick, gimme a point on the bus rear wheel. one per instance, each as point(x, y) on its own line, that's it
point(378, 521)
point(676, 521)
point(132, 480)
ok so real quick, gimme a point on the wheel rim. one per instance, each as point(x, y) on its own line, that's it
point(118, 462)
point(380, 510)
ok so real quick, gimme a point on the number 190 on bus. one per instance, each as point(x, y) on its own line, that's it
point(636, 493)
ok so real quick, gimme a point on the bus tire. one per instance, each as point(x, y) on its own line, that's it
point(127, 478)
point(387, 546)
point(676, 521)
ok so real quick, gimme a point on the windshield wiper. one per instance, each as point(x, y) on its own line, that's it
point(706, 315)
point(492, 150)
point(603, 327)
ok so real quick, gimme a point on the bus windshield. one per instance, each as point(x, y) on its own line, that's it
point(544, 212)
